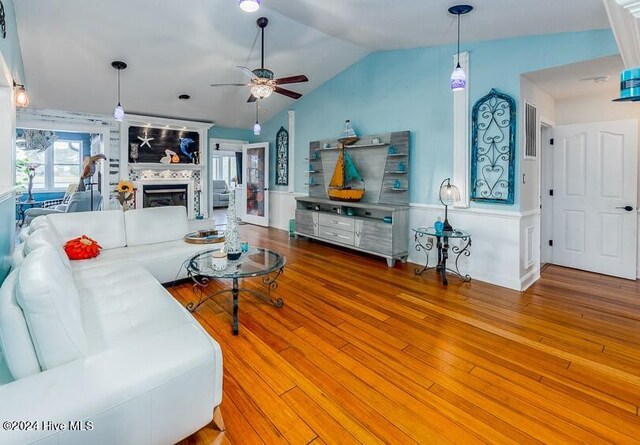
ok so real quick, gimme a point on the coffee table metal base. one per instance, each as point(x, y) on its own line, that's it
point(201, 283)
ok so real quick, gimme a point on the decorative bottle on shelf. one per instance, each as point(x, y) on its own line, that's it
point(439, 225)
point(232, 241)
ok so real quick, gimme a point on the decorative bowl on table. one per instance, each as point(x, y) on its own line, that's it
point(205, 237)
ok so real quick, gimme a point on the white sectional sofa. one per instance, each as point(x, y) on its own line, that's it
point(100, 342)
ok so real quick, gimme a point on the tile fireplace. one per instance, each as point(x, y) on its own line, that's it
point(164, 195)
point(166, 192)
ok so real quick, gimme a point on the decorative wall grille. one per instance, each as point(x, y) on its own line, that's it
point(531, 132)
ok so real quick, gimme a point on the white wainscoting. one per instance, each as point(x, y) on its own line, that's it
point(282, 208)
point(498, 238)
point(505, 248)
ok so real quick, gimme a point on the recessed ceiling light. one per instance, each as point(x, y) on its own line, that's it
point(249, 5)
point(184, 97)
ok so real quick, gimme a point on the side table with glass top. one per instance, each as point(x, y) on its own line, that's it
point(253, 263)
point(424, 242)
point(22, 207)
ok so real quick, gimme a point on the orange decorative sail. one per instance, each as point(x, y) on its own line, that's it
point(337, 180)
point(344, 172)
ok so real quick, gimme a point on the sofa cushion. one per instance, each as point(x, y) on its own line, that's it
point(46, 236)
point(39, 222)
point(128, 303)
point(51, 306)
point(106, 227)
point(155, 225)
point(15, 340)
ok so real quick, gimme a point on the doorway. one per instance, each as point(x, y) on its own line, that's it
point(226, 175)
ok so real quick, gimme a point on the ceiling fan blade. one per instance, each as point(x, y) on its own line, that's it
point(228, 85)
point(247, 72)
point(292, 79)
point(252, 98)
point(289, 93)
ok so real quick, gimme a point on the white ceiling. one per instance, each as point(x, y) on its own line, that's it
point(578, 79)
point(392, 24)
point(175, 47)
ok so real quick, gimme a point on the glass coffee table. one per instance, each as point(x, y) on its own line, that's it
point(257, 262)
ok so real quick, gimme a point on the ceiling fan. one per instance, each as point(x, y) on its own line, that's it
point(262, 82)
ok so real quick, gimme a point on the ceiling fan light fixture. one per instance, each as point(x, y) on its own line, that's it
point(249, 5)
point(262, 89)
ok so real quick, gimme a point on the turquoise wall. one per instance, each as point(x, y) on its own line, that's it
point(10, 50)
point(409, 90)
point(231, 133)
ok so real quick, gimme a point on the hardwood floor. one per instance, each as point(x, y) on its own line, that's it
point(364, 354)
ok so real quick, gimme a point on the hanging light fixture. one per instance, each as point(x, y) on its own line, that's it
point(256, 128)
point(249, 5)
point(118, 112)
point(21, 96)
point(458, 77)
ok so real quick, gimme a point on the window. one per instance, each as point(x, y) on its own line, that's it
point(58, 166)
point(224, 167)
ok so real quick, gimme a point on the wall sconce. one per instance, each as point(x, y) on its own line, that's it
point(21, 96)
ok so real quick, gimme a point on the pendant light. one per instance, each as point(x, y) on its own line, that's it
point(118, 112)
point(256, 128)
point(458, 77)
point(249, 5)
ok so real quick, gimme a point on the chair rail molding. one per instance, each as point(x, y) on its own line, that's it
point(624, 16)
point(500, 242)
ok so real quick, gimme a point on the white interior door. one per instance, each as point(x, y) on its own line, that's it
point(255, 166)
point(595, 197)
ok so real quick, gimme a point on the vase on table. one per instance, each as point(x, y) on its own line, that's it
point(232, 241)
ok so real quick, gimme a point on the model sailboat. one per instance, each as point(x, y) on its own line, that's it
point(344, 173)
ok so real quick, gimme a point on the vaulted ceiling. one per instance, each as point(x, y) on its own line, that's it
point(175, 47)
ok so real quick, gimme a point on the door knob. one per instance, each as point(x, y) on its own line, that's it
point(626, 208)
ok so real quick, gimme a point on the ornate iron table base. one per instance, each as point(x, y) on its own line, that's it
point(442, 245)
point(201, 283)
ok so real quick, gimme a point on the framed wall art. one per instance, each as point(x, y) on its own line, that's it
point(493, 146)
point(282, 157)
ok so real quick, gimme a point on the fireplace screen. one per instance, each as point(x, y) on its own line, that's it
point(164, 195)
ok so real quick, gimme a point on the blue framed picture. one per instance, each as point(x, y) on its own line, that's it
point(493, 148)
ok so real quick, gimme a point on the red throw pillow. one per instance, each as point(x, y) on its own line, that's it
point(82, 248)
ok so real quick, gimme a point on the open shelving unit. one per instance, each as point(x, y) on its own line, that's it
point(378, 224)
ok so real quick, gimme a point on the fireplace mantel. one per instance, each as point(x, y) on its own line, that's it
point(159, 166)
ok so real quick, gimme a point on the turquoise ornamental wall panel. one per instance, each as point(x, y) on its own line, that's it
point(493, 149)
